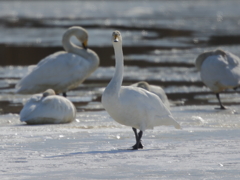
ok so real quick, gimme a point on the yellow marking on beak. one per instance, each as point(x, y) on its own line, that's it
point(116, 38)
point(85, 44)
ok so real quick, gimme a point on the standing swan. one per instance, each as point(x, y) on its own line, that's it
point(219, 70)
point(62, 70)
point(133, 106)
point(48, 109)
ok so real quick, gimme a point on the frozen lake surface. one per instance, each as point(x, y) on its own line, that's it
point(95, 147)
point(161, 40)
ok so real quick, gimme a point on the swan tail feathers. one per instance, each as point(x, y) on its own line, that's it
point(175, 123)
point(167, 121)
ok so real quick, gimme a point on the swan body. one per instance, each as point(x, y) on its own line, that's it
point(48, 109)
point(133, 106)
point(155, 90)
point(62, 70)
point(219, 70)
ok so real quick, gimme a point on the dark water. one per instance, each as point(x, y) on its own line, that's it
point(161, 40)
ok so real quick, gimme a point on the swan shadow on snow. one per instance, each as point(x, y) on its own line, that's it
point(113, 151)
point(228, 110)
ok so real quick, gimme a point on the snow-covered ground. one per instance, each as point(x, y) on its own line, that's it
point(95, 147)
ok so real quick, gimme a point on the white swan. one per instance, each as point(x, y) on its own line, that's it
point(133, 106)
point(154, 89)
point(219, 70)
point(48, 109)
point(62, 70)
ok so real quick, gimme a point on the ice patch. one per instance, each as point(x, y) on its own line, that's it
point(9, 119)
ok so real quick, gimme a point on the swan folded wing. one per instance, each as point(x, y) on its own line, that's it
point(232, 59)
point(61, 107)
point(30, 107)
point(56, 72)
point(143, 99)
point(55, 56)
point(161, 93)
point(41, 63)
point(140, 106)
point(219, 72)
point(234, 66)
point(160, 114)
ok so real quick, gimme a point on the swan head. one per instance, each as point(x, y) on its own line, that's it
point(143, 84)
point(200, 59)
point(80, 33)
point(116, 37)
point(48, 92)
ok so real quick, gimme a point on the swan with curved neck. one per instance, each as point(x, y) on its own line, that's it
point(82, 36)
point(133, 106)
point(62, 70)
point(219, 70)
point(48, 109)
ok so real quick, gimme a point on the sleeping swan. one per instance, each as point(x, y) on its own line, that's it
point(219, 70)
point(48, 109)
point(62, 70)
point(155, 90)
point(133, 106)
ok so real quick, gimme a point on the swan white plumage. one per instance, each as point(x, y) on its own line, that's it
point(48, 109)
point(133, 106)
point(219, 70)
point(62, 70)
point(154, 89)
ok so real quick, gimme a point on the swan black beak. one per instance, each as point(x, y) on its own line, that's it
point(115, 38)
point(84, 44)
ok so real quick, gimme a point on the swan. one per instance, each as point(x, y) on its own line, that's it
point(133, 106)
point(154, 89)
point(219, 70)
point(48, 109)
point(62, 70)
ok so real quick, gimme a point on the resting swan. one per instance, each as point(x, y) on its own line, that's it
point(48, 109)
point(155, 90)
point(133, 106)
point(219, 70)
point(62, 70)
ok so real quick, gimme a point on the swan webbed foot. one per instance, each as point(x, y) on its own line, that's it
point(138, 137)
point(222, 108)
point(220, 103)
point(140, 146)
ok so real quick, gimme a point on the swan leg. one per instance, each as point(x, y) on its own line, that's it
point(221, 106)
point(64, 94)
point(140, 146)
point(138, 137)
point(135, 132)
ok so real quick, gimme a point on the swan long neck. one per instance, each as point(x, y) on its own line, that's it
point(69, 46)
point(116, 82)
